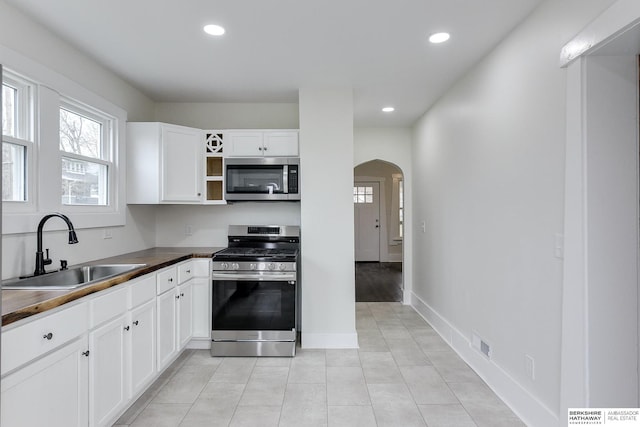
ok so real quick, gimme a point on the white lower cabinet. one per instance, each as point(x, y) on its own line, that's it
point(107, 367)
point(167, 319)
point(51, 391)
point(185, 311)
point(143, 346)
point(83, 365)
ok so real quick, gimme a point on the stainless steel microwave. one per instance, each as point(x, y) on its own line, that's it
point(262, 178)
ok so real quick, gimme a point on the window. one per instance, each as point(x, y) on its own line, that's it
point(85, 143)
point(362, 194)
point(401, 207)
point(17, 136)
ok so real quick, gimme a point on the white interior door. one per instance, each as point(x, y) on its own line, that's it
point(366, 201)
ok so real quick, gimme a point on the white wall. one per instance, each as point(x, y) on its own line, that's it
point(327, 245)
point(26, 39)
point(488, 169)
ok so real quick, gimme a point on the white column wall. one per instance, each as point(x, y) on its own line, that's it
point(326, 215)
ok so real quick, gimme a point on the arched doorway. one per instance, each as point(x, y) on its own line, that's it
point(378, 196)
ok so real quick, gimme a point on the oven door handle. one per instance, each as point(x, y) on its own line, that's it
point(271, 277)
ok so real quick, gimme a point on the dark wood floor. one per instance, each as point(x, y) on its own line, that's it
point(378, 281)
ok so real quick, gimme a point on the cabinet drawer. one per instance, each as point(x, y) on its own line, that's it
point(107, 306)
point(26, 342)
point(143, 290)
point(165, 280)
point(185, 271)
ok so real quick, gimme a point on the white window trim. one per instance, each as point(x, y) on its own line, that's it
point(26, 137)
point(106, 154)
point(395, 208)
point(49, 86)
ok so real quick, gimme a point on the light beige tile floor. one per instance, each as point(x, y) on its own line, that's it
point(402, 375)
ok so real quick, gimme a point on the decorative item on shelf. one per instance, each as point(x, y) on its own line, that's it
point(214, 143)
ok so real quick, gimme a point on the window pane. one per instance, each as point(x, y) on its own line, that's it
point(80, 135)
point(13, 172)
point(9, 115)
point(83, 182)
point(368, 190)
point(368, 198)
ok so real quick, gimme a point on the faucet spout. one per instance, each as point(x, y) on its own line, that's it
point(40, 259)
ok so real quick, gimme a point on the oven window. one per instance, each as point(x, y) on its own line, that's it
point(253, 305)
point(255, 180)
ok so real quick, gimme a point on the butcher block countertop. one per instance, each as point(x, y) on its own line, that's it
point(20, 304)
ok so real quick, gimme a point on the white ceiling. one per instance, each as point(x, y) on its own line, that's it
point(274, 47)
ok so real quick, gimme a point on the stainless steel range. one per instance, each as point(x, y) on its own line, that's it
point(255, 292)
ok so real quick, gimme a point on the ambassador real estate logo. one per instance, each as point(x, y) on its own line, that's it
point(627, 417)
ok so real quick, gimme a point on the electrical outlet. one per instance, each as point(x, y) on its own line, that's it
point(188, 230)
point(107, 234)
point(530, 366)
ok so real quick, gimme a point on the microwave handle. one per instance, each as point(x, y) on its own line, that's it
point(285, 179)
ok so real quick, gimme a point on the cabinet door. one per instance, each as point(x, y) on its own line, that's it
point(281, 143)
point(243, 143)
point(166, 324)
point(201, 302)
point(143, 346)
point(49, 392)
point(182, 151)
point(185, 324)
point(107, 361)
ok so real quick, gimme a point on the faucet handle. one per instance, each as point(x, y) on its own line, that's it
point(47, 260)
point(63, 264)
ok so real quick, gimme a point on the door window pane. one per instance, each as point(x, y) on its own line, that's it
point(83, 182)
point(362, 194)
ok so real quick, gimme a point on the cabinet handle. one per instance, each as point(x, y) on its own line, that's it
point(48, 336)
point(85, 353)
point(135, 323)
point(177, 296)
point(126, 328)
point(188, 271)
point(199, 194)
point(265, 148)
point(260, 148)
point(170, 279)
point(182, 294)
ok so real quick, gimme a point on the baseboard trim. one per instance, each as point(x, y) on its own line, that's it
point(199, 344)
point(526, 406)
point(333, 341)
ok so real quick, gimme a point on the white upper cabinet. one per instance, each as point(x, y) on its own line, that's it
point(164, 164)
point(257, 143)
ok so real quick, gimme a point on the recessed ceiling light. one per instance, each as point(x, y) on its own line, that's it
point(214, 30)
point(439, 37)
point(388, 109)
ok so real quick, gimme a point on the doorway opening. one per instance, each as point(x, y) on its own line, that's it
point(378, 197)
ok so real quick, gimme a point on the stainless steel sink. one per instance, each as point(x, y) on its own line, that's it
point(72, 278)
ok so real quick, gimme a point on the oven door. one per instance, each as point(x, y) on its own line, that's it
point(253, 306)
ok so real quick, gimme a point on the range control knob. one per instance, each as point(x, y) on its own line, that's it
point(235, 266)
point(271, 266)
point(281, 267)
point(252, 266)
point(224, 266)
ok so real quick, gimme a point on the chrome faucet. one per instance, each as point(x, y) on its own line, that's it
point(41, 261)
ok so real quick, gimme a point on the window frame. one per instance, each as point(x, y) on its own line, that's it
point(106, 155)
point(26, 132)
point(50, 87)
